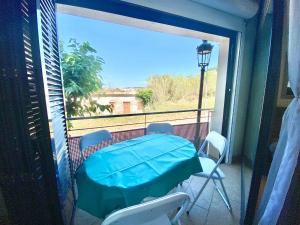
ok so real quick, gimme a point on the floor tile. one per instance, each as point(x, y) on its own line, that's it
point(220, 215)
point(206, 196)
point(197, 216)
point(209, 208)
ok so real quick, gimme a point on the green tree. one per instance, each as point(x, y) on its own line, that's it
point(81, 72)
point(145, 95)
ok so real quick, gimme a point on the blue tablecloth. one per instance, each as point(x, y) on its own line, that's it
point(125, 173)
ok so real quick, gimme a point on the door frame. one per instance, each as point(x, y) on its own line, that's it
point(269, 104)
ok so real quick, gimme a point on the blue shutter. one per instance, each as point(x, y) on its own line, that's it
point(35, 179)
point(55, 101)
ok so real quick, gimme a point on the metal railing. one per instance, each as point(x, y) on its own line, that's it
point(184, 125)
point(142, 122)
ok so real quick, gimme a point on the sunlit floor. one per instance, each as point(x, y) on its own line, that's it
point(209, 209)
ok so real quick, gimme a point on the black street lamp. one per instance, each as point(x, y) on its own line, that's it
point(203, 55)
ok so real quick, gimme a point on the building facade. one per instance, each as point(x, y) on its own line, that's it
point(123, 101)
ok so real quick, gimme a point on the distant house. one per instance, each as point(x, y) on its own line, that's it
point(123, 100)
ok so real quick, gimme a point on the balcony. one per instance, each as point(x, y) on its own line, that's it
point(128, 126)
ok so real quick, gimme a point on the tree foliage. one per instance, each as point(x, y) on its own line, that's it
point(81, 73)
point(174, 88)
point(145, 95)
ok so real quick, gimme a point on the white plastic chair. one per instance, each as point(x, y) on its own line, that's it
point(162, 128)
point(152, 212)
point(93, 138)
point(211, 168)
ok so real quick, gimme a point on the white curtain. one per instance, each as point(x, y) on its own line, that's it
point(287, 151)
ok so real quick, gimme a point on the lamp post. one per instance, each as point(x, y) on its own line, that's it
point(203, 55)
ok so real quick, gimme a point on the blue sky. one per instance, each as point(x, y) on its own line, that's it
point(132, 54)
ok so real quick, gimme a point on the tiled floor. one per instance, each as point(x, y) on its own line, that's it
point(209, 209)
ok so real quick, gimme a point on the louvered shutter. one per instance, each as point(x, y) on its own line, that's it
point(34, 178)
point(55, 104)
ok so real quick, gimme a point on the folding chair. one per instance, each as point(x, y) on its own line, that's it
point(162, 128)
point(88, 140)
point(211, 168)
point(152, 212)
point(94, 138)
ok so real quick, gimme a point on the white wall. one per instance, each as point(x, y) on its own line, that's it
point(196, 11)
point(241, 88)
point(217, 115)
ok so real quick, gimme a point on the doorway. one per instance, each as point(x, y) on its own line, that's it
point(126, 107)
point(221, 116)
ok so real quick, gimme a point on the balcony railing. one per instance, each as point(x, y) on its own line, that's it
point(128, 126)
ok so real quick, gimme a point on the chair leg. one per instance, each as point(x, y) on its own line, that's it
point(227, 202)
point(188, 186)
point(214, 180)
point(198, 195)
point(223, 195)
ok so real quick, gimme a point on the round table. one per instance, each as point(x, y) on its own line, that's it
point(123, 174)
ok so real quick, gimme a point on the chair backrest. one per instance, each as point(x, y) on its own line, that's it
point(164, 128)
point(149, 211)
point(217, 141)
point(94, 138)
